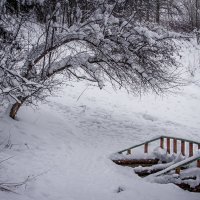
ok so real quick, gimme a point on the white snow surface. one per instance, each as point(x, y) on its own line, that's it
point(65, 144)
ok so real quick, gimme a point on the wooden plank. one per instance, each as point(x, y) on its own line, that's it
point(190, 149)
point(146, 148)
point(168, 145)
point(198, 163)
point(142, 162)
point(186, 186)
point(183, 147)
point(162, 142)
point(175, 145)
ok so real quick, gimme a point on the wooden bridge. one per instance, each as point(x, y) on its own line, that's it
point(153, 167)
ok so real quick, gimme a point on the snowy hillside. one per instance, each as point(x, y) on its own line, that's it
point(64, 146)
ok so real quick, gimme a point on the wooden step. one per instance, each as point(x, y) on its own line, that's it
point(150, 167)
point(137, 162)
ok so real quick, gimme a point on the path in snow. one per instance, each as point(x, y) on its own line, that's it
point(67, 144)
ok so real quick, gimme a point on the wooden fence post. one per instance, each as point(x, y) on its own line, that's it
point(175, 146)
point(146, 148)
point(198, 163)
point(168, 145)
point(162, 143)
point(128, 151)
point(183, 147)
point(177, 170)
point(190, 149)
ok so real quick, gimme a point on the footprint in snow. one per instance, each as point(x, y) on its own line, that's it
point(149, 117)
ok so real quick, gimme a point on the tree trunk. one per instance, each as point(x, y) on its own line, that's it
point(158, 11)
point(147, 10)
point(197, 22)
point(14, 109)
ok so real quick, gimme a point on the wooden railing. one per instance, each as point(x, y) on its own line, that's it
point(165, 142)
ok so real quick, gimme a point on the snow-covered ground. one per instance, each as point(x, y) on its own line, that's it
point(64, 146)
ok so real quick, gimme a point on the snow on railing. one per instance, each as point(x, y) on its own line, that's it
point(177, 165)
point(165, 141)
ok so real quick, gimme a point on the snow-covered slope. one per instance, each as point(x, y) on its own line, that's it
point(64, 145)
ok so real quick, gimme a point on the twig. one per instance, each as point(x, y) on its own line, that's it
point(82, 93)
point(6, 159)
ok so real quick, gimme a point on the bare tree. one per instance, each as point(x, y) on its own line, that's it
point(94, 41)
